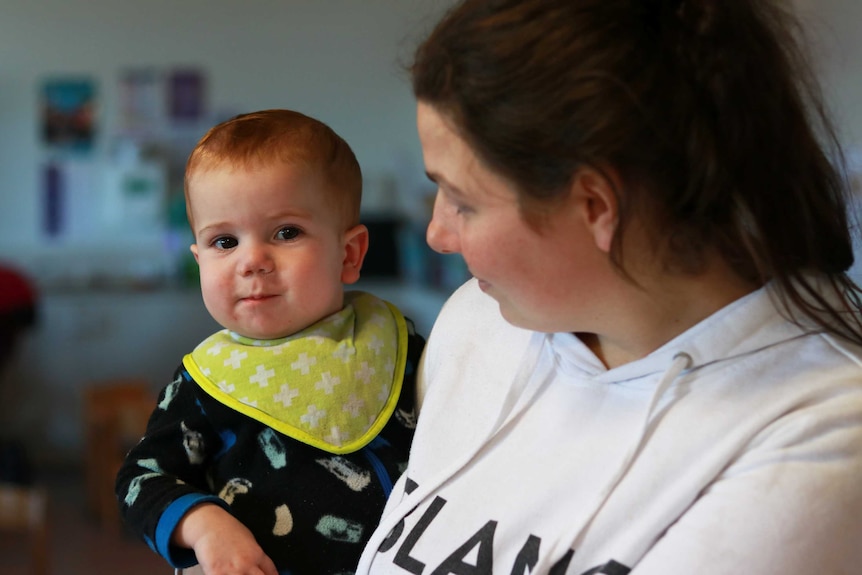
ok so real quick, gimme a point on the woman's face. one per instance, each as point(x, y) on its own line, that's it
point(549, 279)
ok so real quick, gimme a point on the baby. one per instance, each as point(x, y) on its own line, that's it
point(276, 445)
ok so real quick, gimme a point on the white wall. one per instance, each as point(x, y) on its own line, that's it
point(334, 59)
point(834, 28)
point(338, 60)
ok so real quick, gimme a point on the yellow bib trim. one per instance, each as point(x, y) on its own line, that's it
point(334, 385)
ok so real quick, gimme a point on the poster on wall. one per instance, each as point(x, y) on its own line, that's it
point(142, 102)
point(186, 95)
point(68, 113)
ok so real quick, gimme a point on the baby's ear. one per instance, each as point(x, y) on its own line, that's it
point(194, 250)
point(355, 248)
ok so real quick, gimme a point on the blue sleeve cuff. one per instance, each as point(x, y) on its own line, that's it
point(179, 557)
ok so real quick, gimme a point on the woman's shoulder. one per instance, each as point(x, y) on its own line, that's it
point(470, 313)
point(471, 331)
point(468, 297)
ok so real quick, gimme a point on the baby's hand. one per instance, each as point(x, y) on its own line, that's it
point(222, 545)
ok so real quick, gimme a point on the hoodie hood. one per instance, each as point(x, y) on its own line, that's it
point(745, 326)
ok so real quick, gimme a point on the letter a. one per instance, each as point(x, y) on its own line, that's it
point(484, 538)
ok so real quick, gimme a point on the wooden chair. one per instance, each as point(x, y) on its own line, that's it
point(25, 510)
point(115, 417)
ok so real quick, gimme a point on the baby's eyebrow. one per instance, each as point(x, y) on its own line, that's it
point(211, 227)
point(289, 214)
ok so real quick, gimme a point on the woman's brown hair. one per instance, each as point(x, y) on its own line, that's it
point(706, 110)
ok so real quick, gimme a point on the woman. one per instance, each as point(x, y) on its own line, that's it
point(656, 369)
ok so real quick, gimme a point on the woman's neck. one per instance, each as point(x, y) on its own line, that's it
point(662, 308)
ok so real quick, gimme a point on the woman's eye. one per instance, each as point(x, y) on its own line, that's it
point(458, 207)
point(462, 209)
point(224, 243)
point(288, 233)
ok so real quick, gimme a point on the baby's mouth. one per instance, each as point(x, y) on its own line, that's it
point(257, 297)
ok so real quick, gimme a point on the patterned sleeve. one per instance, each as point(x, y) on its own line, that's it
point(164, 475)
point(415, 348)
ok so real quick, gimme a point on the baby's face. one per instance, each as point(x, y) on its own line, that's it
point(271, 249)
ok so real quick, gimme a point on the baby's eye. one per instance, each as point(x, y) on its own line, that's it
point(288, 233)
point(224, 243)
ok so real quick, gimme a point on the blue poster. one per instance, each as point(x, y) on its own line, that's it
point(68, 113)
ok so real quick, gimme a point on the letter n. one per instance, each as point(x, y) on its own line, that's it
point(609, 568)
point(527, 557)
point(559, 568)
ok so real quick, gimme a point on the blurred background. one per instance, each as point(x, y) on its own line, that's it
point(100, 103)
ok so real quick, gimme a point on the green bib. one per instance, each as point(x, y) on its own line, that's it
point(333, 385)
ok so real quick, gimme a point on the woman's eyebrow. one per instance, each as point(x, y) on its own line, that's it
point(441, 181)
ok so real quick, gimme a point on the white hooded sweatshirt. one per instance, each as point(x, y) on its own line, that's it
point(734, 449)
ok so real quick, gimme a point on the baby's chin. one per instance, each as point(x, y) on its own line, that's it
point(267, 334)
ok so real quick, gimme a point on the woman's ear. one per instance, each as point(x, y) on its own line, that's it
point(355, 248)
point(597, 201)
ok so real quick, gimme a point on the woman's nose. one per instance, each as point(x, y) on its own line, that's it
point(255, 259)
point(441, 234)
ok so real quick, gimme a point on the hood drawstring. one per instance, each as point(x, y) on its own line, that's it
point(519, 398)
point(681, 362)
